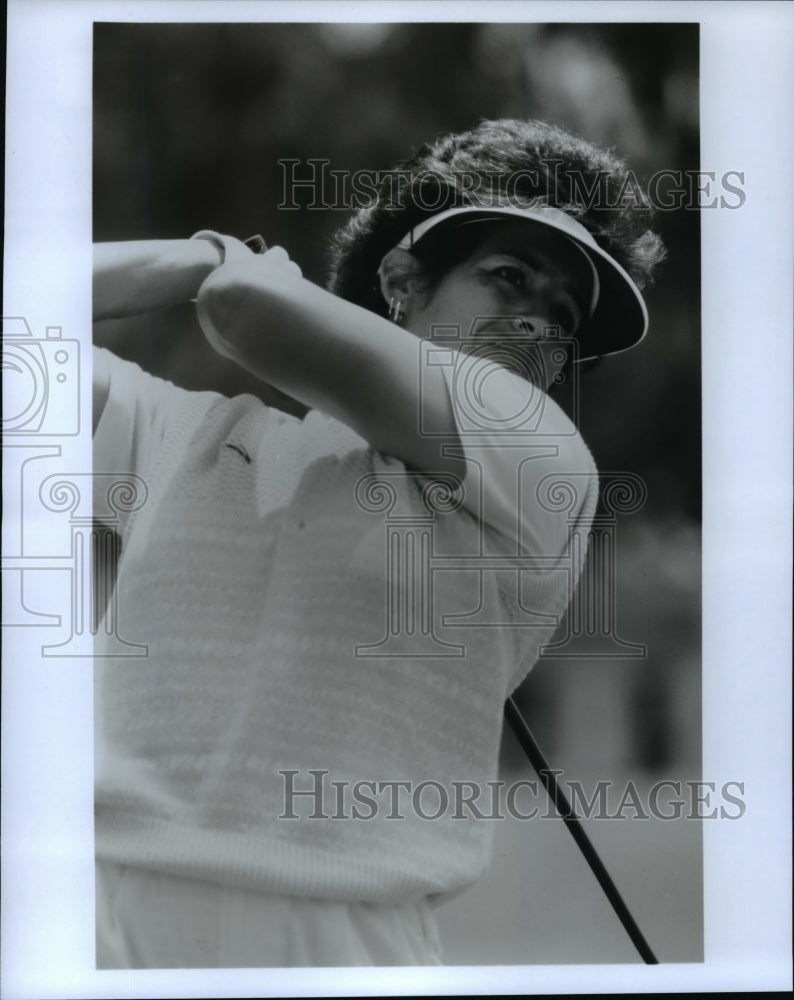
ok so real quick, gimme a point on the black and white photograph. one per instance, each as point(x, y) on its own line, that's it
point(392, 492)
point(312, 622)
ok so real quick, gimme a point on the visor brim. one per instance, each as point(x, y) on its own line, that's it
point(620, 319)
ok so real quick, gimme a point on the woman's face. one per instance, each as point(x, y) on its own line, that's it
point(523, 289)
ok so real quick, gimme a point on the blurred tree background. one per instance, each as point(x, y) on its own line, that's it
point(190, 122)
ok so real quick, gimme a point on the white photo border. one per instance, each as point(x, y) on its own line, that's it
point(747, 110)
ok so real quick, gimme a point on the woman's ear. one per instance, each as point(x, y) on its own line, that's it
point(400, 275)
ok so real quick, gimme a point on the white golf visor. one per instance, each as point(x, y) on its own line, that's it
point(618, 318)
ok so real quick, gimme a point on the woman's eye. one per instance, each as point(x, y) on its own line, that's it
point(514, 275)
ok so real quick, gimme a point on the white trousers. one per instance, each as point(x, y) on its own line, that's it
point(148, 920)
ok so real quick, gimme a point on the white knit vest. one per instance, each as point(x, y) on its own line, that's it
point(259, 575)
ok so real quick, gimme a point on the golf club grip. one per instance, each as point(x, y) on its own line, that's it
point(256, 243)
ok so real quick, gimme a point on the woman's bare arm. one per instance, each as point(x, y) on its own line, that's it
point(330, 354)
point(134, 277)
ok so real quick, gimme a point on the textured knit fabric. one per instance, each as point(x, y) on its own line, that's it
point(257, 574)
point(150, 920)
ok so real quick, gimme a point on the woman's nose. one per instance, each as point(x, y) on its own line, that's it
point(539, 311)
point(535, 324)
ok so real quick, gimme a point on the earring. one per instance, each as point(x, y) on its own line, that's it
point(395, 310)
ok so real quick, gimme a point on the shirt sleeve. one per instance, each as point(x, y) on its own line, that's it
point(528, 471)
point(143, 416)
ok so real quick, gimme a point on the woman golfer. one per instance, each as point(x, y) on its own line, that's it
point(338, 594)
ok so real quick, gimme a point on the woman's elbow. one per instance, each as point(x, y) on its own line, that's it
point(221, 306)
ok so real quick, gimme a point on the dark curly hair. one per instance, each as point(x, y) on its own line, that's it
point(504, 162)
